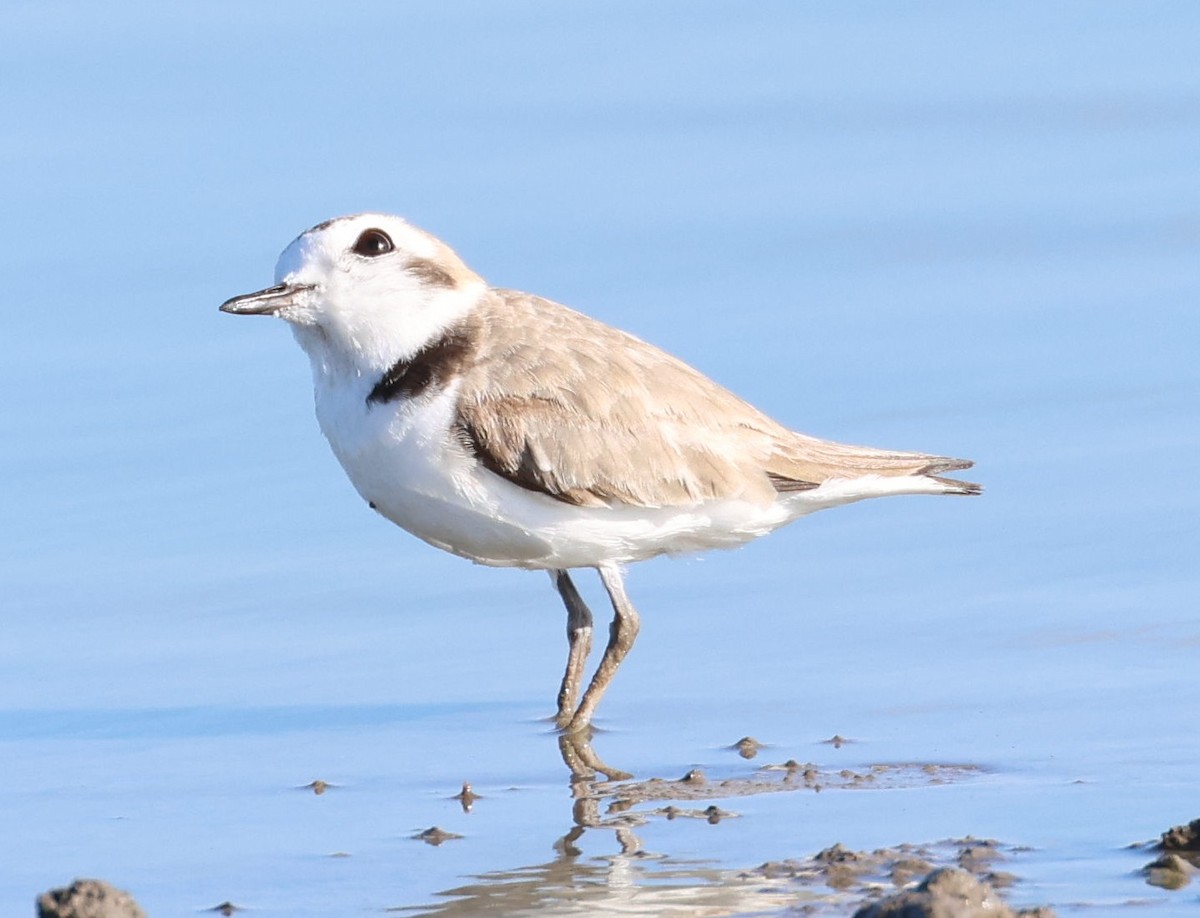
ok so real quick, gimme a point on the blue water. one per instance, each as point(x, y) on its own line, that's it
point(953, 228)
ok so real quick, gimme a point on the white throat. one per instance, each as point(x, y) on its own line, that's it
point(366, 337)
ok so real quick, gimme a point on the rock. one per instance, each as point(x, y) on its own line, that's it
point(1173, 869)
point(435, 836)
point(949, 892)
point(906, 869)
point(976, 857)
point(1181, 838)
point(747, 747)
point(837, 853)
point(842, 867)
point(88, 899)
point(466, 797)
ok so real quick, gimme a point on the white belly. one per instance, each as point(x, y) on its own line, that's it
point(401, 459)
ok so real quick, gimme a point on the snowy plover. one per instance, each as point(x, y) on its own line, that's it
point(513, 431)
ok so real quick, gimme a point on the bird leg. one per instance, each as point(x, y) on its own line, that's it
point(621, 634)
point(579, 641)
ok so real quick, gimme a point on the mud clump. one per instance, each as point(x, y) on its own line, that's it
point(960, 879)
point(948, 892)
point(786, 777)
point(466, 797)
point(1181, 839)
point(436, 836)
point(747, 747)
point(88, 899)
point(905, 870)
point(1180, 857)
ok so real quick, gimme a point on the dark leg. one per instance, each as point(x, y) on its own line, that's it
point(621, 634)
point(579, 642)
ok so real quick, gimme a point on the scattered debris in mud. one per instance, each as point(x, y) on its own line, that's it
point(948, 879)
point(710, 814)
point(88, 899)
point(833, 882)
point(788, 776)
point(948, 892)
point(960, 879)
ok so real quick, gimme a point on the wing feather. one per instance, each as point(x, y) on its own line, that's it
point(563, 404)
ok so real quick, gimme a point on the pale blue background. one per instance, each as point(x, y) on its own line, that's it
point(963, 228)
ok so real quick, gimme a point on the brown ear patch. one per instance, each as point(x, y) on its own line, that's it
point(431, 273)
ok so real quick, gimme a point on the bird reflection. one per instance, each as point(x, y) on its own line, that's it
point(612, 806)
point(629, 880)
point(584, 765)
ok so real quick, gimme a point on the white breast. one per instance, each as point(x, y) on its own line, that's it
point(401, 458)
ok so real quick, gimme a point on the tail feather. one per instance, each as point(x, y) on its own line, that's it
point(957, 486)
point(953, 485)
point(809, 459)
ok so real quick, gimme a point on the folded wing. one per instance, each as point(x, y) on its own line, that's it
point(562, 404)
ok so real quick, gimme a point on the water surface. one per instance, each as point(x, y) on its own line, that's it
point(961, 230)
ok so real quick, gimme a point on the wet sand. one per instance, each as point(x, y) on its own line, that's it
point(539, 823)
point(833, 881)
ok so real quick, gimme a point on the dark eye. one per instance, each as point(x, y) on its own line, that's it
point(373, 242)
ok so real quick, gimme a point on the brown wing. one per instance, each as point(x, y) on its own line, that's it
point(563, 404)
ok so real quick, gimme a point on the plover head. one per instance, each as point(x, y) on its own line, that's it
point(370, 288)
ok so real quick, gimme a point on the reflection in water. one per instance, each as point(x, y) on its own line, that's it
point(466, 797)
point(633, 881)
point(619, 884)
point(586, 794)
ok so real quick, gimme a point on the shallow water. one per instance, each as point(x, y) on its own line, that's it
point(965, 231)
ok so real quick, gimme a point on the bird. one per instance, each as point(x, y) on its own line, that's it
point(513, 431)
